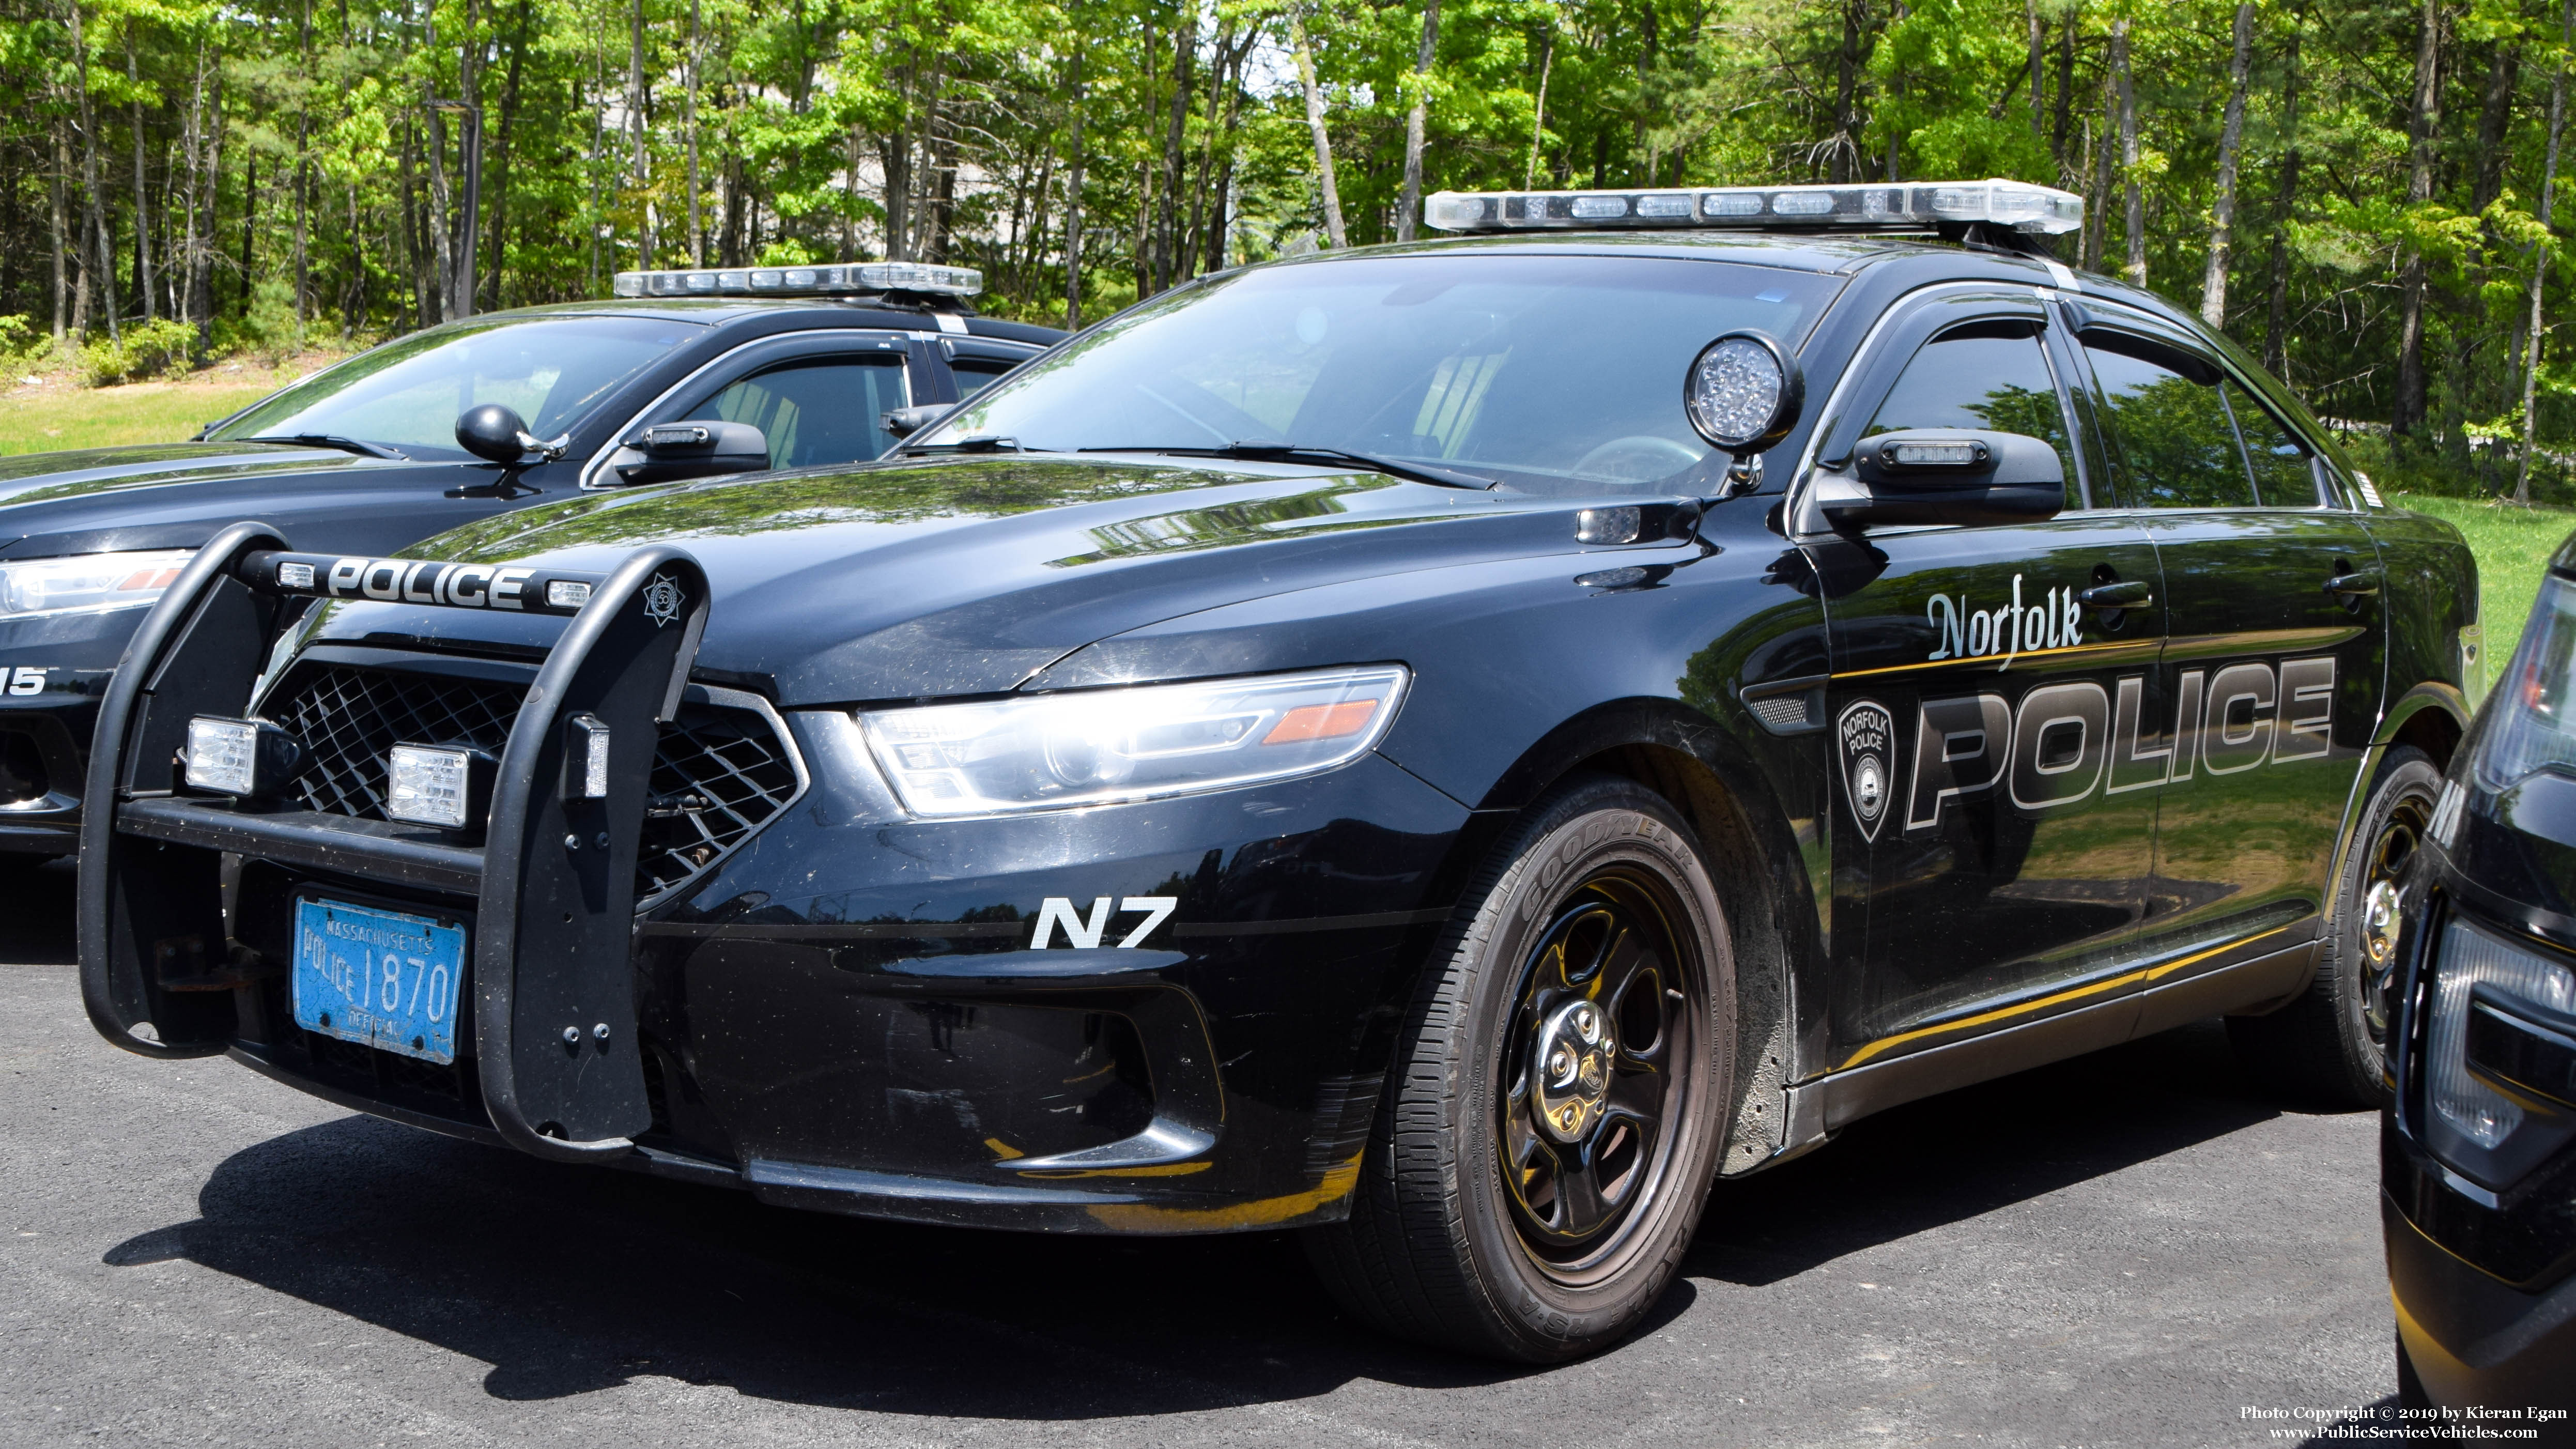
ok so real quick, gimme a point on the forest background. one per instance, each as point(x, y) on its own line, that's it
point(2358, 192)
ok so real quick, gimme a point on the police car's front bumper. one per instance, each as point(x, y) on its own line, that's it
point(2476, 1341)
point(850, 1010)
point(53, 670)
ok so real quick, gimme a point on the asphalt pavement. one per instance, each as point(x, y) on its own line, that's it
point(2136, 1248)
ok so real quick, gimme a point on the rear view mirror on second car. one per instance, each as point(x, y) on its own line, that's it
point(671, 452)
point(1952, 476)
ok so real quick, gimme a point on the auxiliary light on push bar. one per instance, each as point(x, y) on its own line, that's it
point(449, 786)
point(2017, 205)
point(803, 281)
point(249, 759)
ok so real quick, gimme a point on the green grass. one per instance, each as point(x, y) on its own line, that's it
point(43, 421)
point(2512, 546)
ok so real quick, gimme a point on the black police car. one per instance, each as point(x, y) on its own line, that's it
point(2478, 1151)
point(1452, 746)
point(368, 457)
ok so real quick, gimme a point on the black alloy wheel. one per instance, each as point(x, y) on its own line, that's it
point(1556, 1106)
point(2329, 1044)
point(1590, 1071)
point(2383, 864)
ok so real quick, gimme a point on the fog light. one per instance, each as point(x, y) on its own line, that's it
point(249, 758)
point(449, 786)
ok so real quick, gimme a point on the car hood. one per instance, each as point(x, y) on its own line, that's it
point(968, 575)
point(47, 497)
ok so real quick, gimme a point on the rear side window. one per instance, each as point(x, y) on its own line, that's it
point(2283, 476)
point(2173, 429)
point(1986, 375)
point(821, 410)
point(974, 374)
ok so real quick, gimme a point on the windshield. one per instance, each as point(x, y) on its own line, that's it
point(1551, 374)
point(407, 394)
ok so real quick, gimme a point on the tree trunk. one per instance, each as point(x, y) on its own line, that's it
point(2406, 412)
point(203, 279)
point(501, 180)
point(1538, 113)
point(2495, 113)
point(697, 229)
point(2222, 210)
point(62, 257)
point(98, 242)
point(1165, 261)
point(1218, 83)
point(1408, 206)
point(2038, 69)
point(2062, 126)
point(2540, 255)
point(303, 178)
point(2133, 214)
point(1073, 198)
point(1315, 123)
point(1844, 145)
point(142, 210)
point(643, 173)
point(2285, 206)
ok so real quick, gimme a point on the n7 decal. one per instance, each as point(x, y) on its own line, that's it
point(2064, 741)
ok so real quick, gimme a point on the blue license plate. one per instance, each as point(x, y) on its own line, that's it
point(379, 978)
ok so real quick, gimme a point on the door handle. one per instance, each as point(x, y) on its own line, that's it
point(2128, 594)
point(2359, 584)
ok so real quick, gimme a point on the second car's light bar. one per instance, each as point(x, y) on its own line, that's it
point(803, 281)
point(2018, 205)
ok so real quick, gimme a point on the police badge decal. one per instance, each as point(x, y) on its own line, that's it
point(1867, 732)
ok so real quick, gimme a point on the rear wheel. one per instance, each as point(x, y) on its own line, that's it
point(2330, 1045)
point(1546, 1138)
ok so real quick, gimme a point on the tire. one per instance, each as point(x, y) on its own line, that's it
point(1439, 1247)
point(2328, 1046)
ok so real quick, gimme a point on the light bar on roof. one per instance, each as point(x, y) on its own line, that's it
point(2018, 205)
point(803, 281)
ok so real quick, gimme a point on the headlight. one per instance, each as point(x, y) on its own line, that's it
point(2495, 1054)
point(2531, 720)
point(88, 581)
point(1052, 751)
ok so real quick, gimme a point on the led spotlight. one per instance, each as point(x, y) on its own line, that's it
point(247, 758)
point(449, 786)
point(586, 758)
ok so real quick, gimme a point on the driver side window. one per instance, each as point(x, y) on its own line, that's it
point(816, 410)
point(1990, 376)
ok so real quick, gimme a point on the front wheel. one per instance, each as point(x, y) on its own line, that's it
point(1547, 1135)
point(2331, 1044)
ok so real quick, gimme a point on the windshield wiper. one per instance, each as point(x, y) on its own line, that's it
point(972, 443)
point(329, 440)
point(1300, 453)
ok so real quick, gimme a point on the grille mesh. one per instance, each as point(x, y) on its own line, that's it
point(719, 773)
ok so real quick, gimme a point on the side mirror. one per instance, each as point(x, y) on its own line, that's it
point(497, 433)
point(671, 452)
point(501, 435)
point(904, 422)
point(1946, 475)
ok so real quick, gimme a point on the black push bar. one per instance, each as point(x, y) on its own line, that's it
point(552, 880)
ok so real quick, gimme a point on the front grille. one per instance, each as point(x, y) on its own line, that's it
point(719, 771)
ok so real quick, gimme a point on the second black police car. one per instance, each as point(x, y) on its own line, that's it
point(1451, 746)
point(2478, 1149)
point(518, 409)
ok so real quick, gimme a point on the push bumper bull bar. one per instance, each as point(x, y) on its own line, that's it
point(561, 1070)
